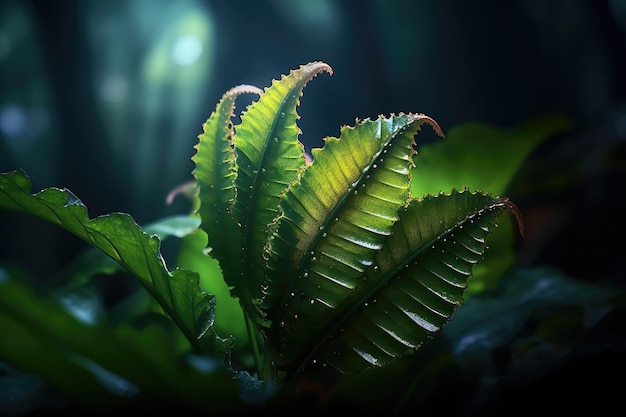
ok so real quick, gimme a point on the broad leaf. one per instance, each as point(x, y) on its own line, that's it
point(118, 235)
point(479, 156)
point(99, 365)
point(483, 157)
point(269, 158)
point(93, 261)
point(229, 317)
point(241, 173)
point(335, 219)
point(215, 172)
point(412, 288)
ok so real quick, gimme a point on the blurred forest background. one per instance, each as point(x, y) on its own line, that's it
point(106, 98)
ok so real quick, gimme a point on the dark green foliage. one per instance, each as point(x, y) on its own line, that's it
point(343, 266)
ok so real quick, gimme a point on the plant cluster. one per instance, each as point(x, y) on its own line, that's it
point(306, 271)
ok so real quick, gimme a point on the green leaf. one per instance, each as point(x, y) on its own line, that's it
point(93, 261)
point(215, 172)
point(229, 317)
point(269, 158)
point(485, 158)
point(118, 235)
point(99, 365)
point(335, 220)
point(480, 157)
point(412, 289)
point(177, 226)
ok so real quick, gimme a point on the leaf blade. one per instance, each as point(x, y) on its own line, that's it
point(215, 172)
point(269, 158)
point(413, 289)
point(120, 237)
point(335, 219)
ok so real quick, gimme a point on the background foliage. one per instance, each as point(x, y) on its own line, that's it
point(107, 99)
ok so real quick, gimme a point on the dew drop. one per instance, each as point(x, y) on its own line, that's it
point(275, 140)
point(324, 234)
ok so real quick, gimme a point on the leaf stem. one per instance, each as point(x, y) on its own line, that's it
point(254, 336)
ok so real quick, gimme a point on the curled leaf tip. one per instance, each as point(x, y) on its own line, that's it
point(314, 68)
point(244, 89)
point(186, 189)
point(515, 211)
point(319, 66)
point(433, 124)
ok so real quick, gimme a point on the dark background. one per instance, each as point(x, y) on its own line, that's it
point(94, 98)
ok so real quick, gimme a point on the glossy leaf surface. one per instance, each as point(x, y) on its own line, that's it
point(415, 285)
point(101, 365)
point(317, 244)
point(257, 164)
point(118, 235)
point(215, 172)
point(335, 220)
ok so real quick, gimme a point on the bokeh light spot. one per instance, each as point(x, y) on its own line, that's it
point(12, 121)
point(22, 127)
point(186, 50)
point(114, 89)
